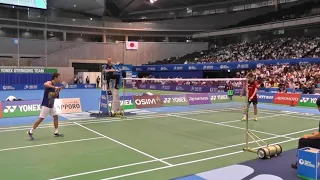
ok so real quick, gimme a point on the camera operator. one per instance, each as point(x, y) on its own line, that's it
point(309, 140)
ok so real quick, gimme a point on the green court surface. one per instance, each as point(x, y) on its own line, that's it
point(155, 146)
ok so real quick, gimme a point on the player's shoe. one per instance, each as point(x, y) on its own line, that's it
point(58, 135)
point(30, 135)
point(255, 119)
point(243, 119)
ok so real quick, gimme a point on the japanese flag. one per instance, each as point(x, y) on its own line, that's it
point(131, 45)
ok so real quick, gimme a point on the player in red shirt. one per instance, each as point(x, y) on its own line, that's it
point(253, 86)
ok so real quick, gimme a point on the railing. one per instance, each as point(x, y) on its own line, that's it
point(139, 26)
point(259, 27)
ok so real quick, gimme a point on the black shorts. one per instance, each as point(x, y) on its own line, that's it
point(254, 101)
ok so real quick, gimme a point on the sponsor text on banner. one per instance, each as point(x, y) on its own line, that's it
point(308, 100)
point(291, 99)
point(21, 108)
point(147, 101)
point(174, 100)
point(195, 99)
point(69, 105)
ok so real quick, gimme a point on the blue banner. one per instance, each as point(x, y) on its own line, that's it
point(275, 90)
point(81, 86)
point(265, 97)
point(223, 66)
point(41, 86)
point(308, 163)
point(104, 103)
point(21, 87)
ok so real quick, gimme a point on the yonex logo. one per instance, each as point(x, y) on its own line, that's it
point(304, 100)
point(174, 100)
point(10, 109)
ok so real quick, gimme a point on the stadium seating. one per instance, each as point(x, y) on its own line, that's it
point(280, 48)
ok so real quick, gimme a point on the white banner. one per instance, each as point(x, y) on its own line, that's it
point(132, 45)
point(70, 105)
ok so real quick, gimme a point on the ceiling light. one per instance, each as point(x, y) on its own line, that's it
point(91, 19)
point(151, 1)
point(74, 5)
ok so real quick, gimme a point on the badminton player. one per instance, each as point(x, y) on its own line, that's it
point(310, 140)
point(252, 95)
point(51, 92)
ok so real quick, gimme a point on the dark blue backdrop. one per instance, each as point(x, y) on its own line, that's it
point(15, 78)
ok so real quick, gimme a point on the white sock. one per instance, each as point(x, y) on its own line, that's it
point(56, 131)
point(31, 130)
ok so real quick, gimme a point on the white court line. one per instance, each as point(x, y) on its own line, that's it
point(105, 120)
point(48, 144)
point(177, 156)
point(106, 169)
point(193, 119)
point(118, 142)
point(263, 117)
point(62, 123)
point(185, 163)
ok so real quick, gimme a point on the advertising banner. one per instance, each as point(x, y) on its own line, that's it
point(104, 103)
point(287, 99)
point(126, 103)
point(147, 101)
point(266, 97)
point(21, 108)
point(41, 87)
point(27, 70)
point(218, 97)
point(21, 87)
point(195, 99)
point(223, 66)
point(308, 100)
point(186, 88)
point(68, 105)
point(174, 100)
point(81, 86)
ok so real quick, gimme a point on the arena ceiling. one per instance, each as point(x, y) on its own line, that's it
point(118, 8)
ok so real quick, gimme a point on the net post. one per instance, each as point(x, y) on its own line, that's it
point(123, 95)
point(247, 115)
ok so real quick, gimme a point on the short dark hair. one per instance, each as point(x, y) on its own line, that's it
point(318, 102)
point(55, 75)
point(250, 75)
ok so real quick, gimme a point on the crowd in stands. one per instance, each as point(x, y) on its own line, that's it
point(299, 77)
point(304, 77)
point(280, 48)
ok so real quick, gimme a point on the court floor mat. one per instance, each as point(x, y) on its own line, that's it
point(150, 146)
